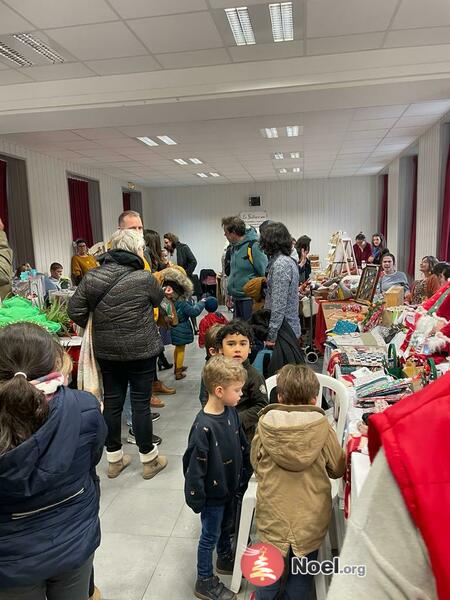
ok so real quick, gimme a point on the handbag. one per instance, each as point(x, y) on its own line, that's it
point(393, 364)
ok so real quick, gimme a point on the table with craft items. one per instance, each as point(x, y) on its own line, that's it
point(330, 312)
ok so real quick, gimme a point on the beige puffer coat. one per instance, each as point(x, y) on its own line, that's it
point(294, 453)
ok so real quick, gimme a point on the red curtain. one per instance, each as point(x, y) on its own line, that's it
point(79, 210)
point(444, 245)
point(384, 207)
point(412, 240)
point(126, 200)
point(3, 195)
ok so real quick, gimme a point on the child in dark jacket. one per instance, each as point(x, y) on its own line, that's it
point(216, 466)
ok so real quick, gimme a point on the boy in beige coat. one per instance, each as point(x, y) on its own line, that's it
point(294, 453)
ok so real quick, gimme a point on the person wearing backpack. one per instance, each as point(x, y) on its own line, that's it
point(246, 261)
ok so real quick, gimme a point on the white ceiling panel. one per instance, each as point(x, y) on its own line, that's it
point(153, 8)
point(58, 71)
point(330, 18)
point(366, 135)
point(428, 109)
point(61, 13)
point(405, 131)
point(417, 121)
point(197, 58)
point(266, 51)
point(379, 112)
point(175, 33)
point(115, 66)
point(233, 3)
point(417, 37)
point(372, 124)
point(103, 133)
point(417, 13)
point(345, 43)
point(11, 22)
point(104, 40)
point(10, 76)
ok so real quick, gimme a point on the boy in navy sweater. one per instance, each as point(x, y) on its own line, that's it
point(216, 466)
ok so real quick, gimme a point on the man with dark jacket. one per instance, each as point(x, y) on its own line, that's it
point(181, 254)
point(6, 257)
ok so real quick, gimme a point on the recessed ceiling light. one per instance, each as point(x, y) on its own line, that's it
point(278, 156)
point(202, 175)
point(148, 141)
point(269, 132)
point(167, 140)
point(180, 161)
point(39, 47)
point(240, 25)
point(282, 21)
point(293, 130)
point(282, 171)
point(196, 161)
point(215, 174)
point(296, 170)
point(296, 155)
point(14, 56)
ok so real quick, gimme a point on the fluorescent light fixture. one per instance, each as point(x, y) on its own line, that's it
point(39, 47)
point(14, 56)
point(202, 175)
point(296, 155)
point(269, 132)
point(282, 21)
point(278, 156)
point(215, 174)
point(282, 171)
point(240, 25)
point(167, 140)
point(293, 130)
point(196, 161)
point(148, 141)
point(180, 161)
point(296, 170)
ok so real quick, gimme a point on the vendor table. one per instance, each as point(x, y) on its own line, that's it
point(329, 313)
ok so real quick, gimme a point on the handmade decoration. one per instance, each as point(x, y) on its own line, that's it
point(367, 284)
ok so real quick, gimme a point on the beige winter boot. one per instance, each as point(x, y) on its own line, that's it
point(152, 468)
point(117, 462)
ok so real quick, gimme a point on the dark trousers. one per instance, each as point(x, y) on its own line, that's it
point(139, 374)
point(71, 585)
point(217, 527)
point(243, 308)
point(289, 587)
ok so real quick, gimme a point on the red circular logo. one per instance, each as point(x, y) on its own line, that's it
point(262, 564)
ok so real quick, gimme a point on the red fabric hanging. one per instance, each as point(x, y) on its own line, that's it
point(79, 210)
point(412, 241)
point(384, 207)
point(126, 200)
point(444, 245)
point(3, 196)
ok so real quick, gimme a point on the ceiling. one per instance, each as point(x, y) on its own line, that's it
point(363, 78)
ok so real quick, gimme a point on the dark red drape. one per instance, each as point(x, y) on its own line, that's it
point(79, 210)
point(126, 200)
point(412, 240)
point(384, 207)
point(444, 244)
point(3, 195)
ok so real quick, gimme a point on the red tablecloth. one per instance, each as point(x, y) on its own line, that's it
point(320, 336)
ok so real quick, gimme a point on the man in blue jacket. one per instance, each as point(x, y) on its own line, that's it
point(247, 261)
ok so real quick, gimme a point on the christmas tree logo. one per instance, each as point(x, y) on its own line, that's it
point(262, 564)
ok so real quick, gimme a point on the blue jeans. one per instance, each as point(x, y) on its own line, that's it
point(295, 587)
point(217, 527)
point(243, 308)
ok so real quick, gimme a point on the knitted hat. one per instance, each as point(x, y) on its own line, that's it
point(211, 304)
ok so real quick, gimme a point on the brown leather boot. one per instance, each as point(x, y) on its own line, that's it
point(116, 468)
point(156, 402)
point(96, 595)
point(179, 374)
point(152, 468)
point(161, 388)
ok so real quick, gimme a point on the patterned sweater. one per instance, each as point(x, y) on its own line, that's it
point(282, 295)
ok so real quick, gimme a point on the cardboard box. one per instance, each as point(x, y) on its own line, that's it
point(395, 296)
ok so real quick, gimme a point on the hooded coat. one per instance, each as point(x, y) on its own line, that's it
point(294, 453)
point(49, 493)
point(241, 269)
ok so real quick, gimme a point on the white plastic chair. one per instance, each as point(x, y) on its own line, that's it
point(249, 500)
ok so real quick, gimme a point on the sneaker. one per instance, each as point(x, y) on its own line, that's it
point(132, 440)
point(152, 468)
point(116, 468)
point(155, 417)
point(213, 589)
point(225, 565)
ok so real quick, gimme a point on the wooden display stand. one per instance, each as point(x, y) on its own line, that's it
point(341, 257)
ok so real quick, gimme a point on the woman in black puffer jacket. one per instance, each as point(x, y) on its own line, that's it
point(121, 295)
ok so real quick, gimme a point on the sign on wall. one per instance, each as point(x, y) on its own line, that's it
point(253, 218)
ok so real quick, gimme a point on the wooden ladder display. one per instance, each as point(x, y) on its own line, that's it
point(342, 259)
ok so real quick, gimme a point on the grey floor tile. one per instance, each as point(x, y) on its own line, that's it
point(187, 525)
point(144, 512)
point(124, 564)
point(170, 479)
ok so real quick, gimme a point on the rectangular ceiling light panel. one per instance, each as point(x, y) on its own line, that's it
point(294, 130)
point(180, 161)
point(167, 140)
point(202, 175)
point(196, 161)
point(39, 47)
point(240, 26)
point(148, 141)
point(14, 56)
point(269, 132)
point(282, 21)
point(278, 156)
point(215, 174)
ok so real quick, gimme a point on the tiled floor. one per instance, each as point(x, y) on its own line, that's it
point(149, 535)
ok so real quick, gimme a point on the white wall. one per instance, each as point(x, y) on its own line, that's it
point(49, 203)
point(316, 207)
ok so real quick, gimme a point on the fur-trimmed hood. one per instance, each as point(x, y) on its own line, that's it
point(182, 285)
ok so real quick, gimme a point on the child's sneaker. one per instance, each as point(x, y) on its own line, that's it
point(213, 589)
point(225, 565)
point(132, 440)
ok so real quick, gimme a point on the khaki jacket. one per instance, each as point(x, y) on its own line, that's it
point(6, 273)
point(294, 453)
